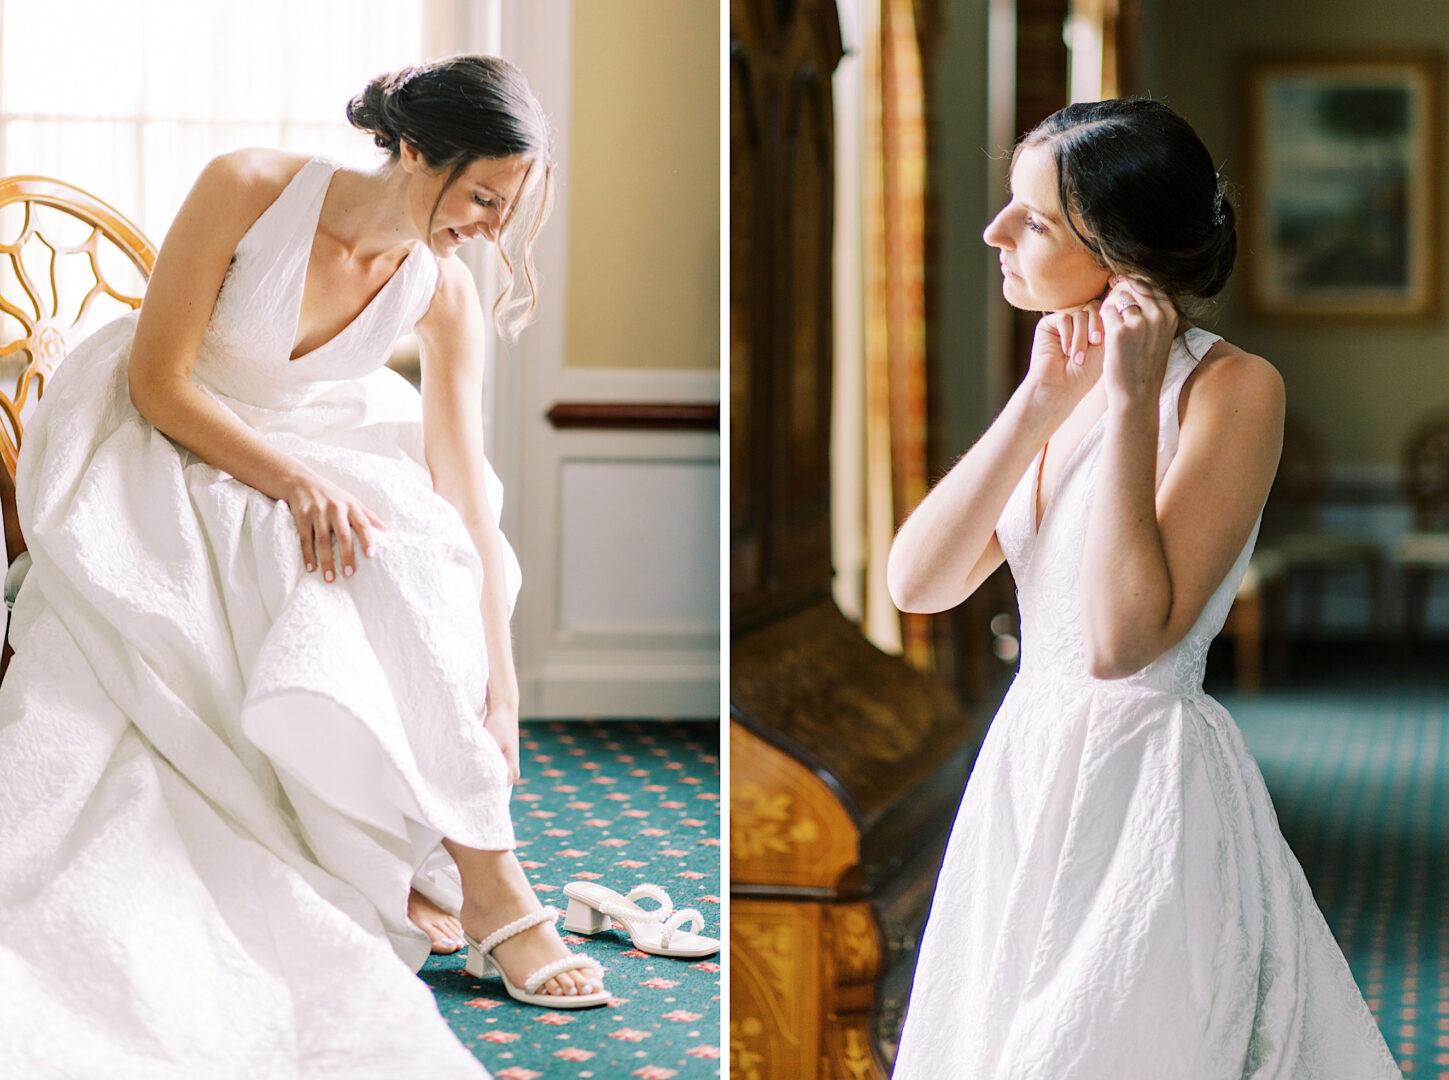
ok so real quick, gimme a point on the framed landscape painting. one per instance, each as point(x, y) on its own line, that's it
point(1342, 190)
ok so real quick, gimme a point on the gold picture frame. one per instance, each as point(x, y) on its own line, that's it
point(1341, 200)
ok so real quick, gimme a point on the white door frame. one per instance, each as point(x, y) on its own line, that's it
point(628, 669)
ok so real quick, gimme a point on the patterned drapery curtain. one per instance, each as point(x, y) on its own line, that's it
point(895, 311)
point(1101, 38)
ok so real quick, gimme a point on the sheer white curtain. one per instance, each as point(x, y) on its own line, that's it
point(130, 99)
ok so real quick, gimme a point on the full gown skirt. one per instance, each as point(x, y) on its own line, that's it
point(220, 775)
point(1117, 901)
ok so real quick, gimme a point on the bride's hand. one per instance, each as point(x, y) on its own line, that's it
point(501, 722)
point(1140, 323)
point(1066, 356)
point(323, 510)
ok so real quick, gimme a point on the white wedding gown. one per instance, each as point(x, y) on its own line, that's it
point(219, 775)
point(1117, 902)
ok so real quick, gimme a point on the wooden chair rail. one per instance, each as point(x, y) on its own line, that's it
point(38, 310)
point(44, 338)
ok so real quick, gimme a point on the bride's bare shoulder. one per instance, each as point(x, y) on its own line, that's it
point(238, 185)
point(1228, 373)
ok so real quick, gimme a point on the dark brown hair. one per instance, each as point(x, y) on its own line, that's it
point(453, 112)
point(1139, 189)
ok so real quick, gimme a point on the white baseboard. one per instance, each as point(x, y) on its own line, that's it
point(638, 691)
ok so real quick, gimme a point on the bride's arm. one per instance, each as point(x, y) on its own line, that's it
point(948, 546)
point(453, 337)
point(1154, 556)
point(227, 198)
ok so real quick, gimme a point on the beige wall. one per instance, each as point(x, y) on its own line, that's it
point(1362, 384)
point(643, 189)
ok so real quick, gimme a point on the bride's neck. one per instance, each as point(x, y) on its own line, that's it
point(370, 215)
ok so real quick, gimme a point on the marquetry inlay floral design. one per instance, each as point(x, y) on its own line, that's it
point(855, 1055)
point(746, 1041)
point(854, 943)
point(768, 950)
point(763, 823)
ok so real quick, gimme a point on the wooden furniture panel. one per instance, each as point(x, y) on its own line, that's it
point(846, 764)
point(782, 177)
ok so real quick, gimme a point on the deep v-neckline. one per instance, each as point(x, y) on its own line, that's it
point(333, 168)
point(1179, 342)
point(1039, 511)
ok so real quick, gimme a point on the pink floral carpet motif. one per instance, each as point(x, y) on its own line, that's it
point(620, 803)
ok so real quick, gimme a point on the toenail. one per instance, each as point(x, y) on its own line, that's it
point(573, 989)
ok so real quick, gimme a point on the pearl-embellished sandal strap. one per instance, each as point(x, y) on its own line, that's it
point(516, 927)
point(678, 919)
point(572, 962)
point(653, 892)
point(631, 911)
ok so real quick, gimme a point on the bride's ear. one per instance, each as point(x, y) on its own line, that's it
point(408, 156)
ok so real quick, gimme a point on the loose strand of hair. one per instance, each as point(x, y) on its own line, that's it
point(526, 310)
point(502, 303)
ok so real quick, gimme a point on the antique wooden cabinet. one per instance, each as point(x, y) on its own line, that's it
point(846, 764)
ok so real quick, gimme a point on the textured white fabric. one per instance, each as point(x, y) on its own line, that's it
point(1117, 900)
point(218, 773)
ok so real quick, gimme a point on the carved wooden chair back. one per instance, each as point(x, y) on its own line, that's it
point(1299, 488)
point(1426, 473)
point(65, 257)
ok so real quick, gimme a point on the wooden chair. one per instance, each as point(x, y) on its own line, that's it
point(1424, 552)
point(67, 242)
point(1293, 546)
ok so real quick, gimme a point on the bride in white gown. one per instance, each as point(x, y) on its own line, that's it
point(1117, 900)
point(259, 732)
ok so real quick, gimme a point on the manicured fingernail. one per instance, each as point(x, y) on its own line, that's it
point(328, 575)
point(367, 552)
point(1095, 337)
point(310, 568)
point(347, 571)
point(1079, 358)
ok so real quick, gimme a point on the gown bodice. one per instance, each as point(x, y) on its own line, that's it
point(246, 348)
point(1046, 562)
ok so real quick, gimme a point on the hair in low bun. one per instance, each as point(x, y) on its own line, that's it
point(374, 110)
point(454, 111)
point(1141, 192)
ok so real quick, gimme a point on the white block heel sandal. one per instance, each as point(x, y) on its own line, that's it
point(480, 963)
point(592, 906)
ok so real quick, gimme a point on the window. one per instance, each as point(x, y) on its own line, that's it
point(130, 100)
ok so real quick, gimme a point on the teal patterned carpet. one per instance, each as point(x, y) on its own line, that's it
point(619, 803)
point(1359, 774)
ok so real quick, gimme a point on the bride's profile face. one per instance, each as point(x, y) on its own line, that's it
point(476, 204)
point(1044, 266)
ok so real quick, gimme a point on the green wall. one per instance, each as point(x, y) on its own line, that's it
point(969, 282)
point(1363, 385)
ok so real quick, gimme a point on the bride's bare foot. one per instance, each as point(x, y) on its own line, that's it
point(443, 930)
point(496, 892)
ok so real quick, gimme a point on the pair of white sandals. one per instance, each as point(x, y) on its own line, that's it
point(591, 909)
